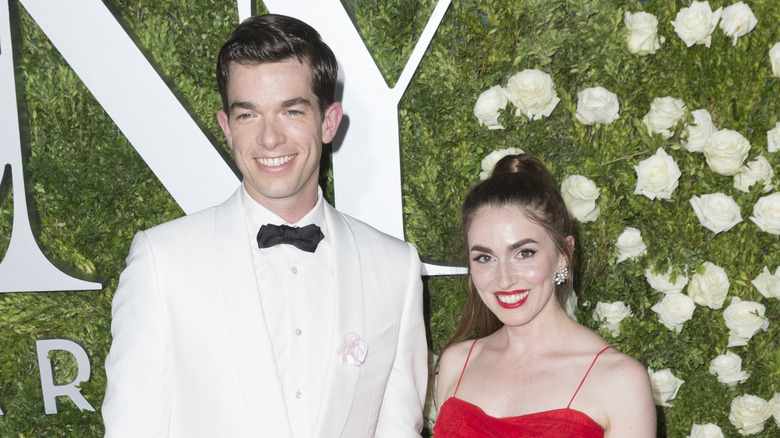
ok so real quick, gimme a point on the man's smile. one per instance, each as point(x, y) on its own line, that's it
point(276, 161)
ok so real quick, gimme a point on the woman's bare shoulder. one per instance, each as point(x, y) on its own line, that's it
point(611, 363)
point(461, 347)
point(454, 356)
point(451, 363)
point(627, 394)
point(622, 366)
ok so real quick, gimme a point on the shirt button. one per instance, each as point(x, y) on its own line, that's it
point(298, 394)
point(298, 332)
point(294, 270)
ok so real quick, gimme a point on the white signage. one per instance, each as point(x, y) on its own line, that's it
point(51, 390)
point(366, 162)
point(24, 268)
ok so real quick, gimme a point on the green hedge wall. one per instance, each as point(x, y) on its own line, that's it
point(93, 192)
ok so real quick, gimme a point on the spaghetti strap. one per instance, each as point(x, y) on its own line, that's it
point(464, 367)
point(586, 374)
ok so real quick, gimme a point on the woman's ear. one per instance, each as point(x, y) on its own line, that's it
point(570, 242)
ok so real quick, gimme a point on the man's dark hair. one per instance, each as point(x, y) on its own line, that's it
point(274, 38)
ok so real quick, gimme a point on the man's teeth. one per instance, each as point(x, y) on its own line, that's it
point(274, 162)
point(512, 299)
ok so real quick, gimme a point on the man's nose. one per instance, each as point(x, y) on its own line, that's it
point(271, 134)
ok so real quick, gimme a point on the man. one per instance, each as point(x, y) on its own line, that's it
point(218, 332)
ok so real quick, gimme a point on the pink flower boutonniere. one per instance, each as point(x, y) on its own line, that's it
point(353, 350)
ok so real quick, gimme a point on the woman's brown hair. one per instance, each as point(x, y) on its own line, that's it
point(523, 181)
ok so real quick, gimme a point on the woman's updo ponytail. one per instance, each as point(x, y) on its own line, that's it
point(524, 164)
point(524, 181)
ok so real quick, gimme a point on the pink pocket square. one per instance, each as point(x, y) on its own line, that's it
point(353, 350)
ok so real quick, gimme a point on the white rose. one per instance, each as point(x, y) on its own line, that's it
point(708, 430)
point(725, 151)
point(773, 136)
point(488, 104)
point(766, 213)
point(744, 319)
point(695, 24)
point(642, 36)
point(489, 162)
point(728, 368)
point(737, 20)
point(533, 93)
point(753, 172)
point(665, 386)
point(674, 310)
point(580, 194)
point(767, 284)
point(774, 58)
point(716, 211)
point(663, 283)
point(774, 406)
point(657, 176)
point(694, 136)
point(597, 105)
point(748, 414)
point(710, 287)
point(664, 113)
point(610, 315)
point(630, 245)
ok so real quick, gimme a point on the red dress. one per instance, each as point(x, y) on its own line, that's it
point(461, 419)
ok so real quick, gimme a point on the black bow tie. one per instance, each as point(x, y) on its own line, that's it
point(304, 238)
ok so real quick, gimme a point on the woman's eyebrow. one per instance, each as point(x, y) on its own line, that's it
point(521, 243)
point(481, 248)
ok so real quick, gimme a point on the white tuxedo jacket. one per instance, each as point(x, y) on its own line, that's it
point(191, 355)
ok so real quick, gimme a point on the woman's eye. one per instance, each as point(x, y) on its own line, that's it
point(526, 253)
point(482, 258)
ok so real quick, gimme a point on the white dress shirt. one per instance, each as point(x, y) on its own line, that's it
point(296, 290)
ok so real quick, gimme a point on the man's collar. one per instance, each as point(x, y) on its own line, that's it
point(259, 215)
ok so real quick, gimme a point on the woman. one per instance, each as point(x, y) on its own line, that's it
point(533, 371)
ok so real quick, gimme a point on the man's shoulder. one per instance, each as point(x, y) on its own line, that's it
point(366, 232)
point(193, 221)
point(185, 223)
point(186, 236)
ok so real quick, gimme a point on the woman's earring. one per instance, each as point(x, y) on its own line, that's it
point(561, 275)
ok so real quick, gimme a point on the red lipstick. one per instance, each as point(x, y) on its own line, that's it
point(511, 299)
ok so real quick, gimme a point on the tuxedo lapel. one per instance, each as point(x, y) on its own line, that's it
point(349, 317)
point(249, 339)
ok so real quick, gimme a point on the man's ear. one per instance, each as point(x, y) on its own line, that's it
point(224, 123)
point(330, 121)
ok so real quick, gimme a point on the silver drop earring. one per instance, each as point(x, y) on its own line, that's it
point(561, 275)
